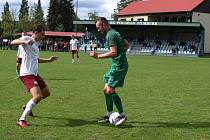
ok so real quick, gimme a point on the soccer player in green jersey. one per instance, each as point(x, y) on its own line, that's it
point(115, 76)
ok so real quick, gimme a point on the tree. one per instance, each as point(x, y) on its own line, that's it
point(67, 14)
point(122, 4)
point(32, 14)
point(7, 22)
point(60, 15)
point(53, 15)
point(39, 14)
point(24, 10)
point(24, 23)
point(92, 15)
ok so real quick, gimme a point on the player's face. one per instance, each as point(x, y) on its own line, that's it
point(41, 35)
point(100, 27)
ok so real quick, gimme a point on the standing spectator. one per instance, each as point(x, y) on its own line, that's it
point(29, 71)
point(116, 74)
point(65, 46)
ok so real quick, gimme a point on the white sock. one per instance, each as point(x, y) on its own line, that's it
point(29, 106)
point(17, 72)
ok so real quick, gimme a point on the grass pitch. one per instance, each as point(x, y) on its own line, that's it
point(165, 98)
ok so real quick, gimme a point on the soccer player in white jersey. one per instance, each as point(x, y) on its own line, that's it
point(29, 71)
point(74, 47)
point(19, 57)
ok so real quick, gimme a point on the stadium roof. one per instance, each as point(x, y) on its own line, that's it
point(141, 23)
point(159, 6)
point(58, 34)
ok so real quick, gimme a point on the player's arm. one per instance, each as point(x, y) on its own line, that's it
point(126, 44)
point(112, 53)
point(17, 42)
point(46, 60)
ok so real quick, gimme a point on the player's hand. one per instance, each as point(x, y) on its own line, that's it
point(93, 54)
point(53, 58)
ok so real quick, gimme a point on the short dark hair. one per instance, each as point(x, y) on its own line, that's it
point(103, 20)
point(38, 28)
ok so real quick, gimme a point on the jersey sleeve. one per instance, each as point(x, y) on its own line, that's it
point(112, 40)
point(25, 38)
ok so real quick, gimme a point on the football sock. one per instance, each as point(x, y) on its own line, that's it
point(122, 114)
point(17, 72)
point(108, 113)
point(29, 106)
point(109, 102)
point(117, 102)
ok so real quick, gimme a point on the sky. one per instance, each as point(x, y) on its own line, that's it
point(102, 7)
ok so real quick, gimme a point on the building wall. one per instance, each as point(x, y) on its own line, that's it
point(133, 18)
point(204, 19)
point(158, 17)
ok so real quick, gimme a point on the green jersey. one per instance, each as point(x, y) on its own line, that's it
point(114, 38)
point(116, 74)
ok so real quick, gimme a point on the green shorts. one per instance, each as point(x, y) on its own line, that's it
point(115, 76)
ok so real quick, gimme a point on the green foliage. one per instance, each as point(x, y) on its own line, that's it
point(67, 14)
point(92, 15)
point(39, 14)
point(7, 22)
point(60, 15)
point(165, 98)
point(24, 10)
point(122, 4)
point(24, 22)
point(52, 16)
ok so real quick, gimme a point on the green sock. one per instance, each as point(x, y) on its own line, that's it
point(117, 102)
point(109, 102)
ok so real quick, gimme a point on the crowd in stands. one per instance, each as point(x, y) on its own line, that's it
point(137, 46)
point(60, 45)
point(170, 47)
point(47, 45)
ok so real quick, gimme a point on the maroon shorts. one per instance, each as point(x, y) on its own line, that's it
point(31, 81)
point(19, 60)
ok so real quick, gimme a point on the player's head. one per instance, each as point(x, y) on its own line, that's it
point(72, 36)
point(102, 24)
point(38, 32)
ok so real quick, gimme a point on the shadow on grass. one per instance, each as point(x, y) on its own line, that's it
point(189, 125)
point(76, 122)
point(80, 122)
point(59, 79)
point(70, 122)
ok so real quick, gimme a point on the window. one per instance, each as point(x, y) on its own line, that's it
point(140, 19)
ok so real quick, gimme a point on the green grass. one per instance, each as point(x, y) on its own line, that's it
point(165, 98)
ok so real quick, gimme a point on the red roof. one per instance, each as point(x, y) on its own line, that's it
point(50, 33)
point(159, 6)
point(59, 34)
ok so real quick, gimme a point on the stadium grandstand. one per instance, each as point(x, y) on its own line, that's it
point(161, 27)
